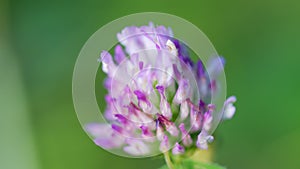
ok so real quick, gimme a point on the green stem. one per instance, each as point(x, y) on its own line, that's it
point(168, 160)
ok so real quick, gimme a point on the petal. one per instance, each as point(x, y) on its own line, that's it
point(109, 142)
point(229, 112)
point(123, 120)
point(176, 72)
point(164, 104)
point(169, 125)
point(215, 66)
point(186, 138)
point(164, 145)
point(184, 110)
point(146, 131)
point(145, 37)
point(108, 66)
point(200, 69)
point(98, 129)
point(203, 140)
point(141, 65)
point(159, 132)
point(182, 91)
point(165, 108)
point(160, 89)
point(117, 128)
point(196, 119)
point(187, 141)
point(119, 54)
point(136, 147)
point(172, 48)
point(172, 129)
point(208, 118)
point(178, 149)
point(143, 102)
point(104, 135)
point(229, 109)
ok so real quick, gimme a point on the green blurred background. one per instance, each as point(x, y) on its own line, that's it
point(39, 43)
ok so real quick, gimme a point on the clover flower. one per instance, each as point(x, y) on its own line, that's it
point(158, 98)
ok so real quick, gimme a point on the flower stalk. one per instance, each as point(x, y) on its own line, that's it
point(168, 160)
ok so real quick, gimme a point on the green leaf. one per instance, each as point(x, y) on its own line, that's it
point(189, 164)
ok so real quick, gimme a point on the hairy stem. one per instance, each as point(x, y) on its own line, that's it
point(168, 160)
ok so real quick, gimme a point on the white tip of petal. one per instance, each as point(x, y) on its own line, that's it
point(165, 108)
point(171, 47)
point(229, 108)
point(159, 133)
point(184, 110)
point(172, 129)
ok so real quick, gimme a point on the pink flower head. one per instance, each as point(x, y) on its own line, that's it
point(154, 89)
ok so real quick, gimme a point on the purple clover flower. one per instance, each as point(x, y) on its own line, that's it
point(160, 101)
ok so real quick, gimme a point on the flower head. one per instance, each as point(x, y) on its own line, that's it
point(156, 91)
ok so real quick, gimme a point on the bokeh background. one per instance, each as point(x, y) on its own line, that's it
point(39, 43)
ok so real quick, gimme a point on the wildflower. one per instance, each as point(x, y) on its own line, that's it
point(152, 81)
